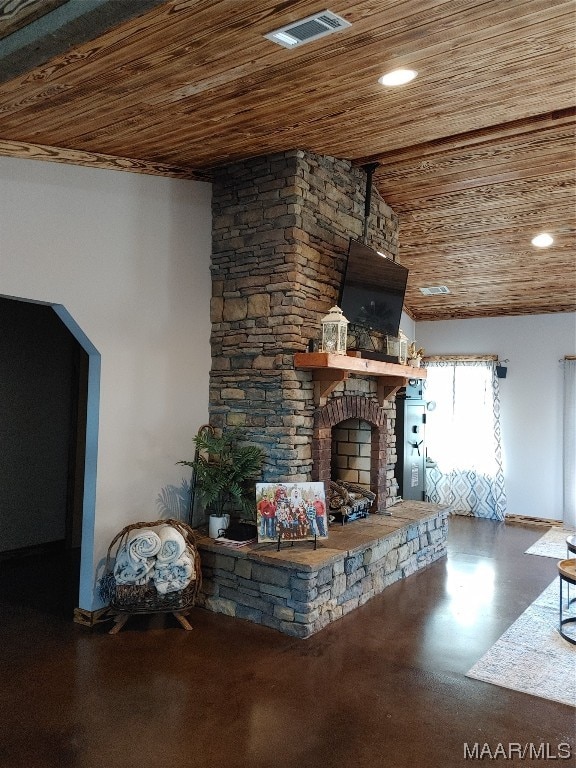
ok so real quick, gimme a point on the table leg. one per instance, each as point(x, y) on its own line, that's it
point(182, 620)
point(119, 621)
point(563, 621)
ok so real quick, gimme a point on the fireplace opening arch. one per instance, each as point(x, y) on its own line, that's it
point(341, 409)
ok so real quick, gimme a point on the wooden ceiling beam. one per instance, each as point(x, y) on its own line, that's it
point(462, 181)
point(29, 151)
point(490, 135)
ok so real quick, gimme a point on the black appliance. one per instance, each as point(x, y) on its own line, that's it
point(372, 294)
point(410, 431)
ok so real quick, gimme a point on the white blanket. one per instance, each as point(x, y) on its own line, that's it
point(129, 571)
point(142, 543)
point(173, 545)
point(173, 576)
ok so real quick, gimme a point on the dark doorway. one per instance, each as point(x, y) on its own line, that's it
point(43, 391)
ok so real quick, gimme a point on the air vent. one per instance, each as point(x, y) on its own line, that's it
point(434, 290)
point(308, 29)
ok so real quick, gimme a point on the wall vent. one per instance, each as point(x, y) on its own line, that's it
point(308, 29)
point(434, 290)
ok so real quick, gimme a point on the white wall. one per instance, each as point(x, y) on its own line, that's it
point(408, 326)
point(531, 397)
point(127, 255)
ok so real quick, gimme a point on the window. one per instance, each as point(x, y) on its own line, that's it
point(463, 437)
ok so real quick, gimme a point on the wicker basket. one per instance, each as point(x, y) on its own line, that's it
point(133, 598)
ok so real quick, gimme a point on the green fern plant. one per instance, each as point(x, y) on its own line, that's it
point(224, 472)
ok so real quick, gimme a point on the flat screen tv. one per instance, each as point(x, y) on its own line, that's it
point(372, 293)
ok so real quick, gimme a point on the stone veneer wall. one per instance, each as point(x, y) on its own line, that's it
point(281, 229)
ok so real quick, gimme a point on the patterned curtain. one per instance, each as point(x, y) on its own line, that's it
point(464, 467)
point(570, 442)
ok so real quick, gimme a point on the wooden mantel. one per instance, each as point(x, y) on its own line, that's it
point(328, 370)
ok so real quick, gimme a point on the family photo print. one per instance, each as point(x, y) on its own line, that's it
point(291, 511)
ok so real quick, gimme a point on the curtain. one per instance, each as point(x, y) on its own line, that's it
point(570, 443)
point(463, 437)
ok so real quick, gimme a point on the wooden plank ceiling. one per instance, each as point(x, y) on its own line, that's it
point(476, 155)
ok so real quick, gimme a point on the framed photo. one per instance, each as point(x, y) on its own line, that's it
point(291, 511)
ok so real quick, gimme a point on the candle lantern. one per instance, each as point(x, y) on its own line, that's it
point(334, 332)
point(402, 348)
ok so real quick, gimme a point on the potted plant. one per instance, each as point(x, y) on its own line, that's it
point(415, 355)
point(224, 470)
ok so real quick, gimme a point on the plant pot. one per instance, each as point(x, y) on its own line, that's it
point(414, 362)
point(217, 525)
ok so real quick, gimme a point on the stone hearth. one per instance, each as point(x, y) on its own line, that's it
point(299, 590)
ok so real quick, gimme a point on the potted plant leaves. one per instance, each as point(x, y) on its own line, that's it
point(415, 355)
point(225, 468)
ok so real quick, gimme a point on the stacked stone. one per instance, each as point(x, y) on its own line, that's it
point(281, 228)
point(300, 600)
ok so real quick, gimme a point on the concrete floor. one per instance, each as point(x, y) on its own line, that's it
point(383, 687)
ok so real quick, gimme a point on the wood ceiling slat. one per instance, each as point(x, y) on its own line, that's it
point(319, 125)
point(510, 151)
point(499, 220)
point(180, 25)
point(496, 196)
point(475, 155)
point(548, 164)
point(266, 136)
point(414, 156)
point(455, 241)
point(315, 125)
point(493, 202)
point(416, 24)
point(91, 97)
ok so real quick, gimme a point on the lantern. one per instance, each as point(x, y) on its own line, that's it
point(402, 348)
point(334, 332)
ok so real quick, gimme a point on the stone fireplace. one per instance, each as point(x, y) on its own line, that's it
point(281, 230)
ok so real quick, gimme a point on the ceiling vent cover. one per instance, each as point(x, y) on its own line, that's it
point(308, 29)
point(434, 290)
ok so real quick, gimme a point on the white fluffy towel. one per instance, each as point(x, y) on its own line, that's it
point(174, 576)
point(130, 571)
point(173, 545)
point(142, 543)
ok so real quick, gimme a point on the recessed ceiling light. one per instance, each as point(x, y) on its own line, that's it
point(397, 77)
point(543, 240)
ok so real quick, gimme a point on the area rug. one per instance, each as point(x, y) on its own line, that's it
point(531, 657)
point(552, 544)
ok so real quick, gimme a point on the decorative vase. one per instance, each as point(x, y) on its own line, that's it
point(217, 525)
